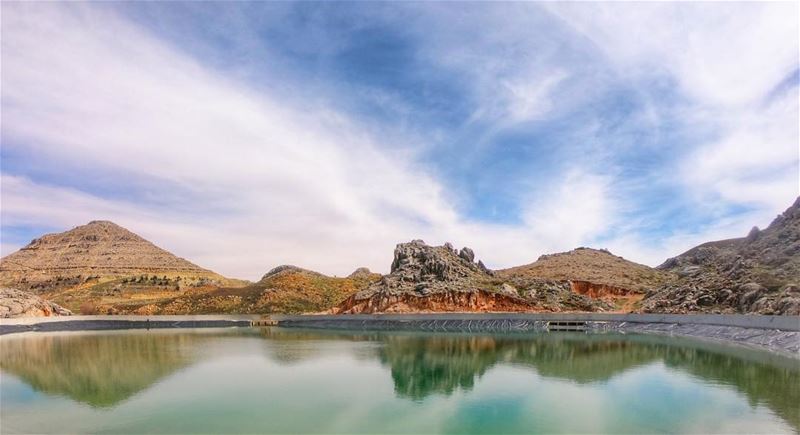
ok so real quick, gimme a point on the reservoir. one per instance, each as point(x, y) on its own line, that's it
point(283, 380)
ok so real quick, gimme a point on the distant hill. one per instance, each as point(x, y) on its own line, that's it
point(592, 266)
point(759, 273)
point(284, 289)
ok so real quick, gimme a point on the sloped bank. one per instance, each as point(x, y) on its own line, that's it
point(774, 333)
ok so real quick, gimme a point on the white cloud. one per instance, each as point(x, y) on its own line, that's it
point(727, 59)
point(88, 88)
point(722, 54)
point(274, 181)
point(581, 202)
point(754, 162)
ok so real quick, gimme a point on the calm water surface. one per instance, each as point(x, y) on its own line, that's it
point(290, 381)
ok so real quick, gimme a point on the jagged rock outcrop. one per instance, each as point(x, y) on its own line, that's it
point(426, 269)
point(440, 278)
point(18, 303)
point(759, 273)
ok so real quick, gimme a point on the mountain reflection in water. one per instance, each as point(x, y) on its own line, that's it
point(103, 369)
point(424, 364)
point(98, 369)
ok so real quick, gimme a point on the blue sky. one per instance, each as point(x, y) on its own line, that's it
point(246, 135)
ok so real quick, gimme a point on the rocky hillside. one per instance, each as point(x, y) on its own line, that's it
point(759, 273)
point(97, 250)
point(102, 263)
point(599, 268)
point(17, 303)
point(284, 289)
point(439, 278)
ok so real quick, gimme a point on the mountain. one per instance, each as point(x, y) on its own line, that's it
point(593, 272)
point(595, 266)
point(759, 273)
point(99, 248)
point(17, 303)
point(439, 278)
point(99, 263)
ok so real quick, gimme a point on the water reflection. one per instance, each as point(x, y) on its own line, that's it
point(100, 370)
point(104, 369)
point(422, 365)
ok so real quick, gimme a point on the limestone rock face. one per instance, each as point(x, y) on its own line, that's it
point(467, 254)
point(18, 303)
point(97, 249)
point(426, 277)
point(759, 273)
point(417, 262)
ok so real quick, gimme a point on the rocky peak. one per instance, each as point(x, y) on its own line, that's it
point(419, 262)
point(421, 269)
point(579, 251)
point(363, 273)
point(753, 234)
point(85, 235)
point(467, 254)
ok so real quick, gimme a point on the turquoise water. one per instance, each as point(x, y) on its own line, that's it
point(299, 381)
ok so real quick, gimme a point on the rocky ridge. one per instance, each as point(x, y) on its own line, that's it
point(441, 278)
point(759, 273)
point(101, 268)
point(18, 303)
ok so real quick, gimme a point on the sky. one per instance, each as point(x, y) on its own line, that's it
point(242, 136)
